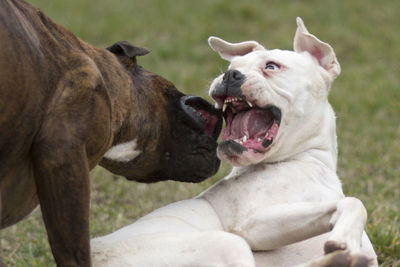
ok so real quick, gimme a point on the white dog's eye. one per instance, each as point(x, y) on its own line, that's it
point(271, 66)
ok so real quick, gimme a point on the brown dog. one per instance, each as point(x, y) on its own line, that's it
point(64, 104)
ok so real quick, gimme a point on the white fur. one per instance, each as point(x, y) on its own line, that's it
point(123, 152)
point(276, 207)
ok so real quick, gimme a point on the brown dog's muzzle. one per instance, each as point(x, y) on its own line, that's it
point(201, 115)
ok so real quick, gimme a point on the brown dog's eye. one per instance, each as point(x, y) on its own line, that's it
point(271, 66)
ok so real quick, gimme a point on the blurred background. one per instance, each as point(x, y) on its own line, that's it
point(366, 97)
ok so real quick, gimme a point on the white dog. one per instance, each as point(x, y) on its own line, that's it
point(282, 204)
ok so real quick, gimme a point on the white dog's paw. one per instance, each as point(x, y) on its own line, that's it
point(338, 255)
point(331, 246)
point(341, 258)
point(359, 260)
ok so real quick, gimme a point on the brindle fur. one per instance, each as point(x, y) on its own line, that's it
point(63, 104)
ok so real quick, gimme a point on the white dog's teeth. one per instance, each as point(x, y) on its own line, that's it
point(224, 107)
point(245, 138)
point(248, 103)
point(266, 135)
point(258, 139)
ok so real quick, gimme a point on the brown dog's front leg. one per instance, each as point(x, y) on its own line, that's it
point(62, 180)
point(1, 262)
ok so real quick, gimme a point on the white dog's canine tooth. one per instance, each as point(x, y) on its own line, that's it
point(245, 138)
point(258, 139)
point(224, 107)
point(248, 103)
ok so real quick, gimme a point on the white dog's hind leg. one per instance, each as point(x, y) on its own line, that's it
point(184, 233)
point(175, 249)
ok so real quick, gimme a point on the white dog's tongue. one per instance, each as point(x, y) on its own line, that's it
point(253, 123)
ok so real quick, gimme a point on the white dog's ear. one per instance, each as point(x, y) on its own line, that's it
point(323, 52)
point(228, 50)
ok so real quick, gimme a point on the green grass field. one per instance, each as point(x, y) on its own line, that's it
point(366, 97)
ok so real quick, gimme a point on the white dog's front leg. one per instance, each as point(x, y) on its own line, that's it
point(284, 224)
point(348, 225)
point(279, 225)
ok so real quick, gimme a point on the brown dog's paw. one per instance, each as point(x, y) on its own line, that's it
point(331, 246)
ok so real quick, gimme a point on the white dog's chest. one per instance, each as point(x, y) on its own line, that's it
point(239, 196)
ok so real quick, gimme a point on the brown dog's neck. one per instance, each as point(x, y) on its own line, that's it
point(119, 93)
point(138, 106)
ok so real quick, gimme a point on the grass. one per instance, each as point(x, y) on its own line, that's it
point(364, 34)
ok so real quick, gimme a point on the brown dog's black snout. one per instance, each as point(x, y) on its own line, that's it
point(230, 85)
point(202, 115)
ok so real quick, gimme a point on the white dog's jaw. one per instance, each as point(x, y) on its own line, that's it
point(295, 84)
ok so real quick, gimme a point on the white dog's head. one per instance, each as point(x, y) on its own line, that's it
point(275, 102)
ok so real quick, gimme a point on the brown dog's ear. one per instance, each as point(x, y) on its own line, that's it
point(127, 49)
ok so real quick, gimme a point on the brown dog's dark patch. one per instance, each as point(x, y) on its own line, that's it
point(63, 104)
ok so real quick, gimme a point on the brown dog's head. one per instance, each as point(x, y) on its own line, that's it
point(172, 136)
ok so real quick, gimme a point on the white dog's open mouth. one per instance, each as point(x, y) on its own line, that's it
point(250, 126)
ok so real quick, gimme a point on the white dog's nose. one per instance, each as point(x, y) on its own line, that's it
point(234, 75)
point(230, 85)
point(233, 78)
